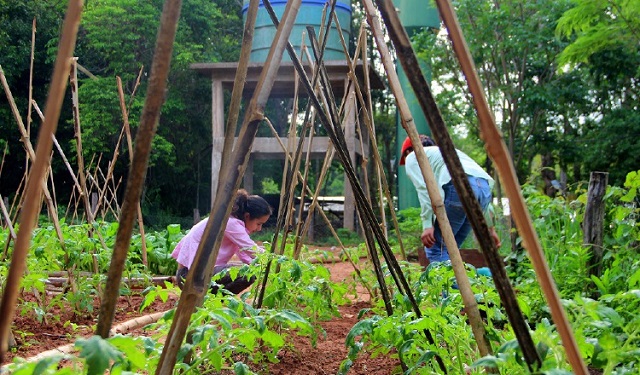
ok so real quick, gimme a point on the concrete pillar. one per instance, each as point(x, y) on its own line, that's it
point(248, 176)
point(349, 134)
point(217, 134)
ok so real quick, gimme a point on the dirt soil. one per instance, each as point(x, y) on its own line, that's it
point(35, 337)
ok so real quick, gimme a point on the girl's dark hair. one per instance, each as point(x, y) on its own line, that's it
point(254, 205)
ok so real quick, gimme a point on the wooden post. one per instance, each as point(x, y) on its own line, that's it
point(592, 226)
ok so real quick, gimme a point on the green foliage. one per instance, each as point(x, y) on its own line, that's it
point(598, 25)
point(410, 226)
point(611, 333)
point(269, 186)
point(347, 238)
point(302, 286)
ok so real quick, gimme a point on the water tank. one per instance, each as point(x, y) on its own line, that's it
point(309, 14)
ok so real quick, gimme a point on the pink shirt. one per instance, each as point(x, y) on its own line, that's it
point(236, 241)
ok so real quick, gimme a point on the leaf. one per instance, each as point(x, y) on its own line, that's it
point(358, 329)
point(241, 369)
point(296, 271)
point(44, 364)
point(487, 361)
point(173, 229)
point(424, 358)
point(345, 366)
point(98, 354)
point(634, 280)
point(131, 348)
point(273, 339)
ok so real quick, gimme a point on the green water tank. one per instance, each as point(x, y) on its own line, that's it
point(309, 14)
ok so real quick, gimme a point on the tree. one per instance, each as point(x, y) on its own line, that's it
point(17, 18)
point(606, 37)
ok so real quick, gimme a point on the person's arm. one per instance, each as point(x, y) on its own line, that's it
point(490, 217)
point(415, 175)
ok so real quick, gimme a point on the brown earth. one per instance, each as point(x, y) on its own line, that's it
point(35, 337)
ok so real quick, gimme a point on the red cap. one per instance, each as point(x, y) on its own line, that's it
point(405, 146)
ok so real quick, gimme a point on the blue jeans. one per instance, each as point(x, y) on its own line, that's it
point(460, 225)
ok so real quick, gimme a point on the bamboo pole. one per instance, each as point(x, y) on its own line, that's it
point(33, 44)
point(125, 119)
point(73, 78)
point(7, 218)
point(137, 172)
point(468, 297)
point(371, 227)
point(34, 185)
point(314, 205)
point(499, 154)
point(199, 276)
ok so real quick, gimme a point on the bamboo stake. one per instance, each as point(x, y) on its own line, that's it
point(199, 276)
point(468, 297)
point(4, 154)
point(60, 151)
point(314, 205)
point(33, 44)
point(148, 124)
point(109, 177)
point(498, 151)
point(34, 185)
point(73, 78)
point(125, 118)
point(13, 203)
point(383, 190)
point(7, 219)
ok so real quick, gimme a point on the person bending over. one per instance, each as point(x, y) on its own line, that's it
point(248, 215)
point(481, 185)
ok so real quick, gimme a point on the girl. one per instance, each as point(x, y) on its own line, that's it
point(248, 215)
